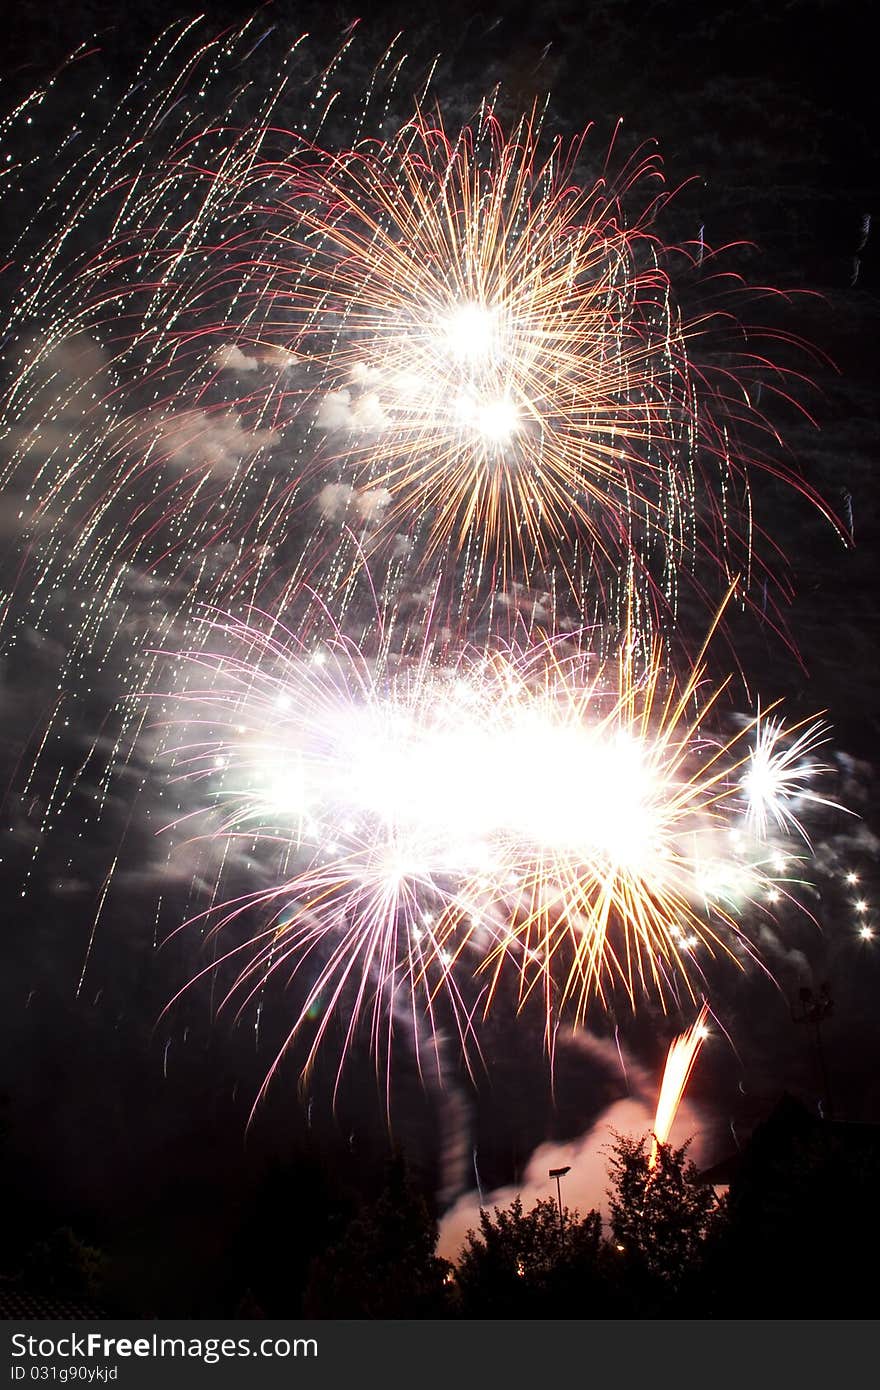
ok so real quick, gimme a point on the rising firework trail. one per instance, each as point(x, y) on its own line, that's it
point(680, 1062)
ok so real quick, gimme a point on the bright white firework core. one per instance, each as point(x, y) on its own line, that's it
point(458, 774)
point(496, 420)
point(470, 333)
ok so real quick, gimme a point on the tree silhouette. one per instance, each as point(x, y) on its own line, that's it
point(801, 1221)
point(530, 1263)
point(63, 1265)
point(660, 1215)
point(384, 1266)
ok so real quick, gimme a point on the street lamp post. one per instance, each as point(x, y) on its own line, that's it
point(558, 1173)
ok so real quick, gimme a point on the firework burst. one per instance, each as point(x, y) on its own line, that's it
point(441, 831)
point(504, 357)
point(777, 778)
point(466, 345)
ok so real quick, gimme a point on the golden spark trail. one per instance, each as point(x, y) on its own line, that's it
point(680, 1062)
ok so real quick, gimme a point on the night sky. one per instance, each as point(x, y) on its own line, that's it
point(130, 1123)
